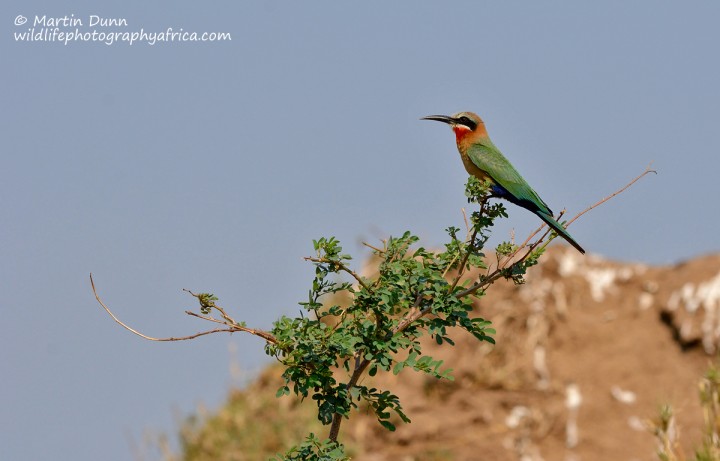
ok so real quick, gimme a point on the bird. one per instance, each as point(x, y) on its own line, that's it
point(485, 161)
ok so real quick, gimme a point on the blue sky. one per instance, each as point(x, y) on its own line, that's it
point(211, 166)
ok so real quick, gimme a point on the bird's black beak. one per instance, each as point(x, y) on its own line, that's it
point(440, 118)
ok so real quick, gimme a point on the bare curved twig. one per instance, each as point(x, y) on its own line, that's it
point(647, 170)
point(600, 202)
point(232, 327)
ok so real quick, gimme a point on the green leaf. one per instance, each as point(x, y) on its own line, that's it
point(282, 391)
point(387, 425)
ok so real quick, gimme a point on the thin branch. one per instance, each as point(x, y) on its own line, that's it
point(360, 368)
point(400, 250)
point(233, 328)
point(342, 267)
point(467, 236)
point(536, 243)
point(450, 265)
point(205, 317)
point(467, 223)
point(485, 281)
point(470, 239)
point(373, 248)
point(530, 237)
point(414, 309)
point(267, 336)
point(463, 262)
point(647, 170)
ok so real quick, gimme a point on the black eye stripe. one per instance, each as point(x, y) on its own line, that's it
point(468, 123)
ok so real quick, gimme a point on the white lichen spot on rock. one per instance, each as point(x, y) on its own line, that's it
point(600, 280)
point(573, 400)
point(692, 297)
point(645, 301)
point(623, 395)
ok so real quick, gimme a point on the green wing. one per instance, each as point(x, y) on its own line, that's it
point(488, 158)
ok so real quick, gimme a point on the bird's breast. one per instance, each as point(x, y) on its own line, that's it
point(471, 168)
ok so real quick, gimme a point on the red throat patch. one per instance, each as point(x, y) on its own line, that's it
point(460, 132)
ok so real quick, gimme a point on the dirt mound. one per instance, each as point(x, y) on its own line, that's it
point(587, 351)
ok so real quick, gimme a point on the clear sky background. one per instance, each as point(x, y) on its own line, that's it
point(212, 165)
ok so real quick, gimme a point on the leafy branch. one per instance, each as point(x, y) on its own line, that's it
point(374, 323)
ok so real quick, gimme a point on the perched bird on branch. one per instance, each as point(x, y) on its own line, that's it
point(485, 161)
